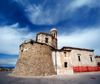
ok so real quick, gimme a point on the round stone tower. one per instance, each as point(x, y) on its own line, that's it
point(35, 59)
point(53, 32)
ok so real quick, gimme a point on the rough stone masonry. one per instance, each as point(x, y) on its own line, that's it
point(35, 59)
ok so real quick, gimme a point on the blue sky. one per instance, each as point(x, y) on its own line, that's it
point(77, 23)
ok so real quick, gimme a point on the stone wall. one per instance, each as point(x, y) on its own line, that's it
point(34, 60)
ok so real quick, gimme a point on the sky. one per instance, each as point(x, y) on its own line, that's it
point(77, 23)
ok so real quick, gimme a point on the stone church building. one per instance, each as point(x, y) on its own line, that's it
point(43, 58)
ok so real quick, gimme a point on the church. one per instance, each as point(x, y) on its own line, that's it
point(43, 58)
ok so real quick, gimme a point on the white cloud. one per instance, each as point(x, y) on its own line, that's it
point(87, 38)
point(79, 3)
point(8, 62)
point(43, 14)
point(36, 15)
point(12, 36)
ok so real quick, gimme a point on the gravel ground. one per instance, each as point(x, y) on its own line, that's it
point(78, 78)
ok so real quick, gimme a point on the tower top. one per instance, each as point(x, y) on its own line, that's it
point(53, 29)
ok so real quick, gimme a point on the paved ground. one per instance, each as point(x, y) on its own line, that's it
point(79, 78)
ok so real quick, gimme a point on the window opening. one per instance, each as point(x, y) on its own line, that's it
point(65, 64)
point(65, 54)
point(91, 59)
point(79, 58)
point(46, 40)
point(54, 34)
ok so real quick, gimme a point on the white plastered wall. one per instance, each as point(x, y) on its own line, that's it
point(56, 60)
point(84, 56)
point(59, 59)
point(41, 39)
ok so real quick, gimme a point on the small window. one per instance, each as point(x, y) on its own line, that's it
point(46, 40)
point(91, 59)
point(65, 54)
point(79, 58)
point(65, 64)
point(54, 34)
